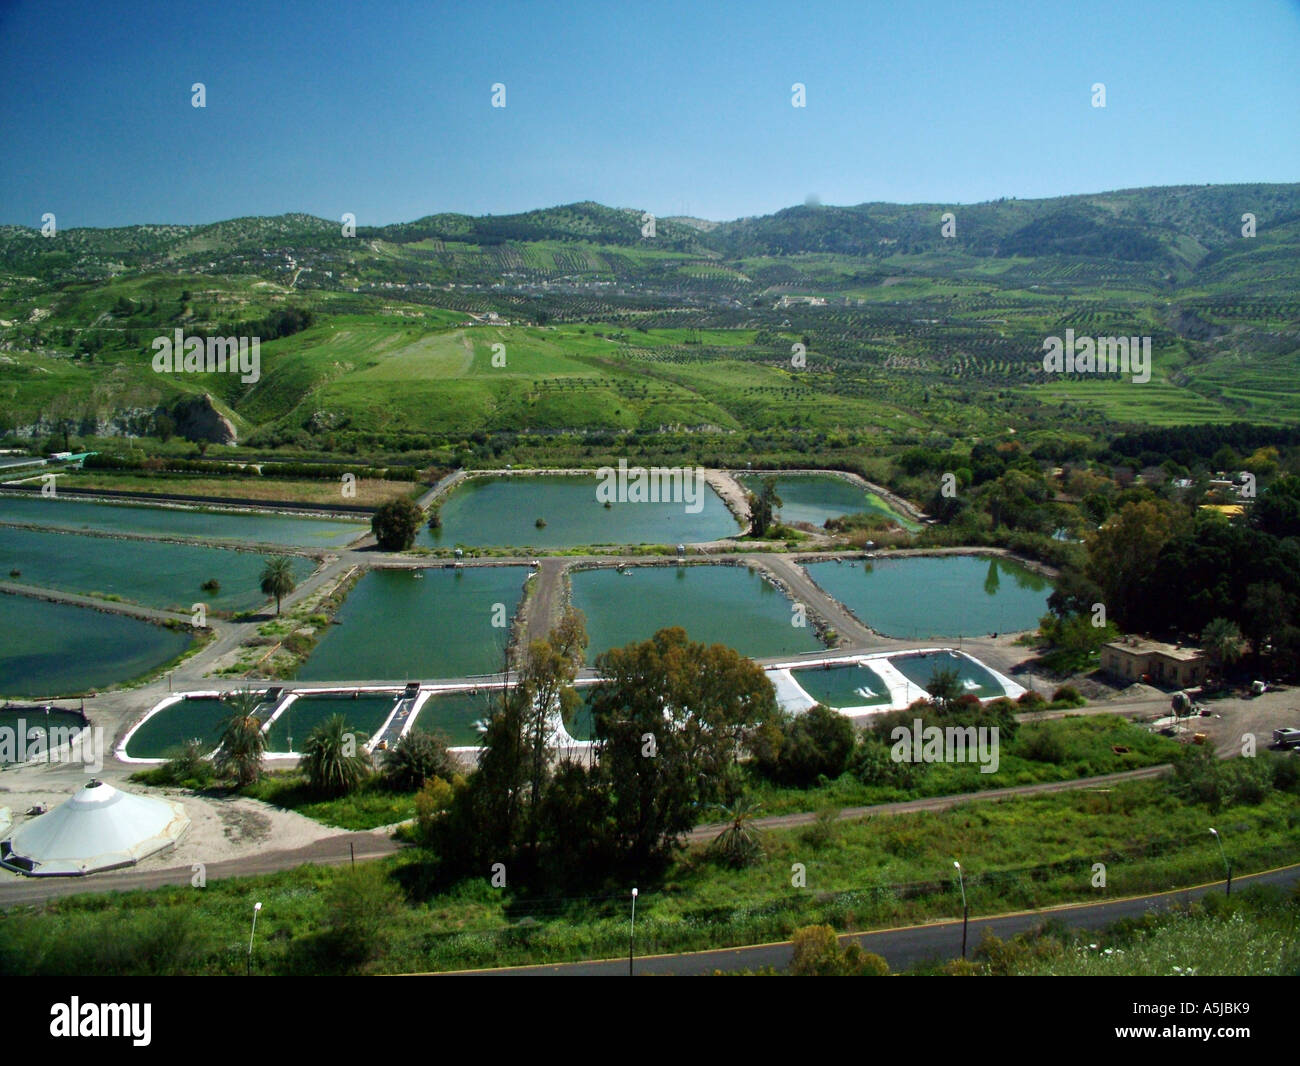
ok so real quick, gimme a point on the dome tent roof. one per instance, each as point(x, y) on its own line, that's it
point(98, 828)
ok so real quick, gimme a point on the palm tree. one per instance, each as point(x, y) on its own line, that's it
point(738, 844)
point(1223, 642)
point(242, 741)
point(277, 579)
point(333, 758)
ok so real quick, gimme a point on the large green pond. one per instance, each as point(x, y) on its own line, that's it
point(162, 736)
point(850, 685)
point(495, 512)
point(365, 713)
point(52, 648)
point(247, 528)
point(714, 604)
point(937, 596)
point(395, 627)
point(814, 498)
point(148, 572)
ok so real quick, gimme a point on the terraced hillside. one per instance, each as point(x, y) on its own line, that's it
point(570, 319)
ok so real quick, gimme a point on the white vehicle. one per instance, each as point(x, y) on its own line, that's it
point(1286, 738)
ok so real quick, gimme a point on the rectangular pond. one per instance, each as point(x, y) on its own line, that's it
point(714, 604)
point(843, 685)
point(28, 731)
point(975, 679)
point(165, 733)
point(48, 649)
point(62, 512)
point(152, 573)
point(814, 498)
point(365, 712)
point(503, 511)
point(937, 596)
point(397, 625)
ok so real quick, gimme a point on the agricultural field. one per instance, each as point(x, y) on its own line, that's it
point(568, 321)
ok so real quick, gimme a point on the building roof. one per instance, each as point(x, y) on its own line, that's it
point(1143, 646)
point(98, 828)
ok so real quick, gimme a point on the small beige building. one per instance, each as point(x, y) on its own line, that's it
point(1136, 658)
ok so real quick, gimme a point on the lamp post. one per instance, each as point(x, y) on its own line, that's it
point(965, 911)
point(256, 907)
point(631, 936)
point(1226, 865)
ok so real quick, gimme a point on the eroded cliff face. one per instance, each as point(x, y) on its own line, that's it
point(196, 418)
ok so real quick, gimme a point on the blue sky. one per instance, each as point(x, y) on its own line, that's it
point(384, 109)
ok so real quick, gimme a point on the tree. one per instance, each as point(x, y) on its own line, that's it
point(1223, 643)
point(165, 427)
point(945, 688)
point(395, 524)
point(1123, 553)
point(334, 758)
point(763, 506)
point(242, 741)
point(668, 718)
point(277, 579)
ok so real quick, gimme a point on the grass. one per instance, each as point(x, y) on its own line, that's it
point(872, 873)
point(1086, 744)
point(1254, 933)
point(370, 491)
point(371, 806)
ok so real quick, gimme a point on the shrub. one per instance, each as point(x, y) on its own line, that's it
point(416, 758)
point(1041, 742)
point(1031, 700)
point(817, 953)
point(1068, 694)
point(813, 744)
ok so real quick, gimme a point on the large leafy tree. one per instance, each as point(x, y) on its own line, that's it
point(1123, 553)
point(395, 524)
point(668, 716)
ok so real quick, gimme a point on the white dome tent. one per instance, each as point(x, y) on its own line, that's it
point(98, 828)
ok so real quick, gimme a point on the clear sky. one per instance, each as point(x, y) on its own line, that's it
point(384, 109)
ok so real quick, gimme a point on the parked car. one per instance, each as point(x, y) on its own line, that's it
point(1286, 738)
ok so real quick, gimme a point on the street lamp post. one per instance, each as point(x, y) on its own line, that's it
point(256, 907)
point(1226, 865)
point(631, 936)
point(965, 911)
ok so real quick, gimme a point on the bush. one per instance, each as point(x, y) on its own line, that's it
point(817, 953)
point(1031, 700)
point(814, 744)
point(872, 764)
point(1068, 694)
point(416, 758)
point(1041, 742)
point(434, 797)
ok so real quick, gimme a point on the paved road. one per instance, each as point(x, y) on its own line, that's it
point(903, 947)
